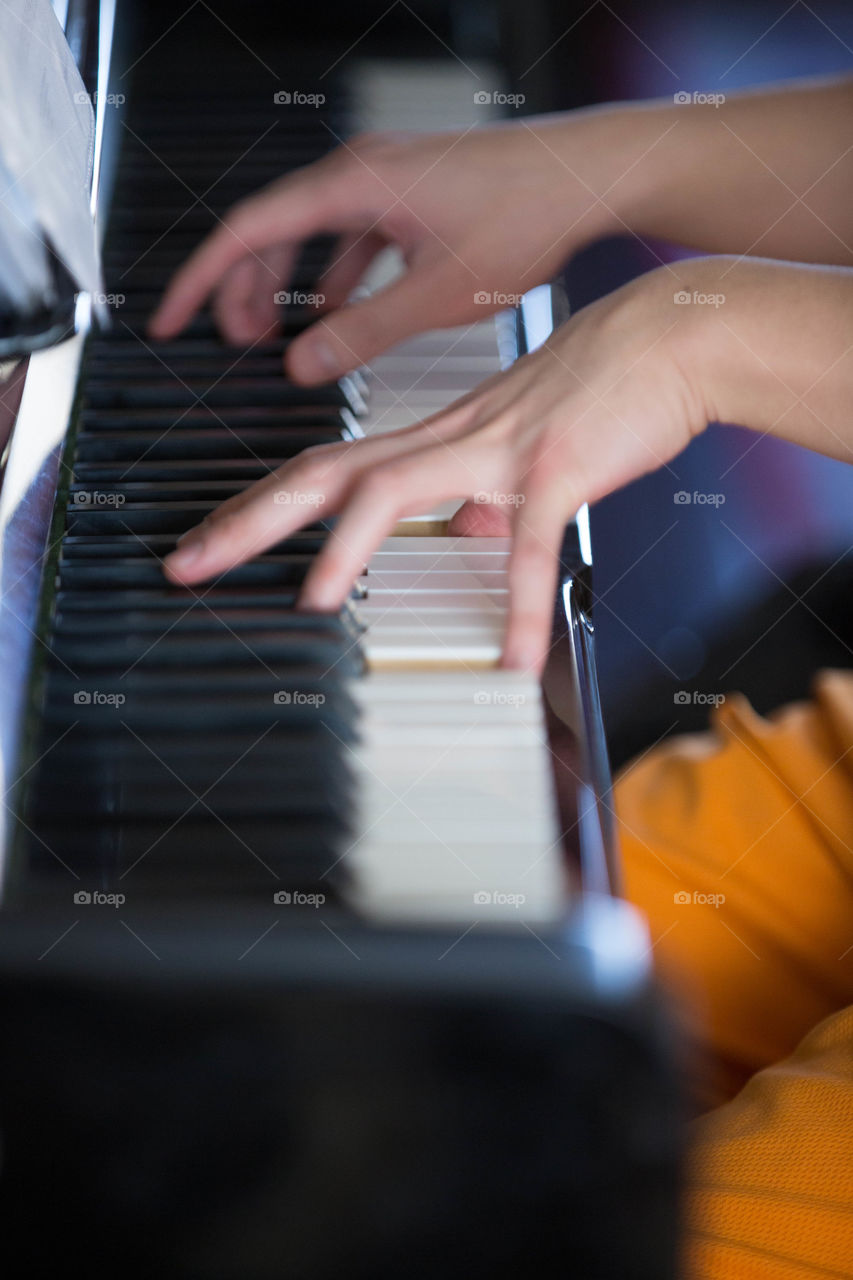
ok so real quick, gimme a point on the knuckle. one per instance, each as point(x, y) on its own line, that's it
point(313, 463)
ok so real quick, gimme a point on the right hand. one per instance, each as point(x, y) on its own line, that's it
point(492, 211)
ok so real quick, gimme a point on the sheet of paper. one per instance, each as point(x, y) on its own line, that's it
point(47, 133)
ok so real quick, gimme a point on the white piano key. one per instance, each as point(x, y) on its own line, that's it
point(397, 584)
point(443, 546)
point(457, 819)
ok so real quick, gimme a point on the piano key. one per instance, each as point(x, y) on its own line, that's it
point(119, 573)
point(175, 445)
point(175, 392)
point(264, 646)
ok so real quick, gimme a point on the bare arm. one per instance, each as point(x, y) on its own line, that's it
point(618, 391)
point(501, 208)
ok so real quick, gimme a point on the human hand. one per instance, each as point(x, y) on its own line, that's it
point(493, 211)
point(604, 400)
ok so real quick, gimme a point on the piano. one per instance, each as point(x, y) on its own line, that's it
point(312, 960)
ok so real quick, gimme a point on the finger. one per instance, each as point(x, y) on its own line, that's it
point(352, 256)
point(290, 210)
point(480, 519)
point(314, 484)
point(356, 333)
point(386, 492)
point(244, 305)
point(540, 521)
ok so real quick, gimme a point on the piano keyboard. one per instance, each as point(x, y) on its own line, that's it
point(377, 757)
point(290, 978)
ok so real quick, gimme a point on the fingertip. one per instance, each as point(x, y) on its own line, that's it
point(184, 564)
point(523, 652)
point(158, 326)
point(310, 359)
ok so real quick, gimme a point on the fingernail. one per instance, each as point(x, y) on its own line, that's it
point(315, 360)
point(521, 658)
point(189, 548)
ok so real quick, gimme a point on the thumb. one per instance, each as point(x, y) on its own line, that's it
point(358, 332)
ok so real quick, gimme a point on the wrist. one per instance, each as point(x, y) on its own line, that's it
point(625, 154)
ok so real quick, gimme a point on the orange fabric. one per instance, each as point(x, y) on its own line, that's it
point(738, 845)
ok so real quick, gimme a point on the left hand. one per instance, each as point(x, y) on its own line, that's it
point(606, 399)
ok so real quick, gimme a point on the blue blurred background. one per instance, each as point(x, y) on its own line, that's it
point(753, 594)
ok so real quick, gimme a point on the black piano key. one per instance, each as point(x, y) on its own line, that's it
point(154, 446)
point(133, 572)
point(165, 432)
point(175, 392)
point(89, 546)
point(133, 490)
point(275, 649)
point(166, 598)
point(198, 616)
point(216, 705)
point(244, 470)
point(199, 855)
point(245, 789)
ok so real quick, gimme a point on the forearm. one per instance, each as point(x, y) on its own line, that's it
point(767, 172)
point(776, 354)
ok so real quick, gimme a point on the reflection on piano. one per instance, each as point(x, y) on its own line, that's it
point(309, 963)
